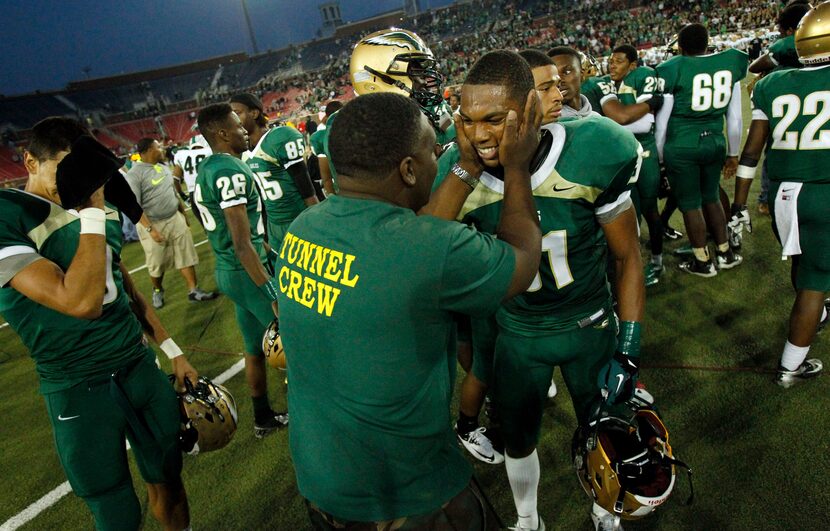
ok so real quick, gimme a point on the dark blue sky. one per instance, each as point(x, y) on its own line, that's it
point(47, 43)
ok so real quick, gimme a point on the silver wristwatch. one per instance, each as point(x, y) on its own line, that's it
point(465, 176)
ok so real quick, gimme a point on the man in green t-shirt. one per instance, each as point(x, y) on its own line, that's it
point(229, 204)
point(277, 160)
point(74, 306)
point(785, 120)
point(637, 84)
point(700, 90)
point(367, 290)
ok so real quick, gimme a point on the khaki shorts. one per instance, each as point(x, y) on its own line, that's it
point(176, 251)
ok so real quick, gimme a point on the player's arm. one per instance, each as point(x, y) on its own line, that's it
point(763, 64)
point(178, 176)
point(302, 180)
point(661, 123)
point(79, 291)
point(325, 174)
point(734, 129)
point(237, 219)
point(624, 245)
point(152, 326)
point(627, 114)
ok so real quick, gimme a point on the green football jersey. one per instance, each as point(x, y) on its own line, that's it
point(639, 82)
point(702, 88)
point(277, 150)
point(66, 350)
point(597, 89)
point(316, 140)
point(225, 181)
point(783, 53)
point(796, 102)
point(367, 295)
point(573, 189)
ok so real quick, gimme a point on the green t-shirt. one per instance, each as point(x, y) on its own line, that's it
point(597, 89)
point(225, 181)
point(702, 88)
point(796, 102)
point(639, 82)
point(783, 53)
point(66, 350)
point(367, 292)
point(573, 190)
point(277, 150)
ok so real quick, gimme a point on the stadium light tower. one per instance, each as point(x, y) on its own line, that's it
point(250, 27)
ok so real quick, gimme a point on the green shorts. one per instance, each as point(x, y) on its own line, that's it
point(276, 234)
point(253, 308)
point(694, 172)
point(484, 333)
point(524, 367)
point(89, 430)
point(813, 271)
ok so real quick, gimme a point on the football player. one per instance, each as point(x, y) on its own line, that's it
point(277, 160)
point(316, 142)
point(225, 194)
point(186, 164)
point(636, 84)
point(75, 307)
point(547, 81)
point(700, 89)
point(565, 317)
point(583, 94)
point(785, 120)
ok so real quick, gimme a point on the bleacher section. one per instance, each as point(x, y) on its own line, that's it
point(11, 165)
point(24, 111)
point(179, 127)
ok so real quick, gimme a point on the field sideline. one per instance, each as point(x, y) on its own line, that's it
point(709, 348)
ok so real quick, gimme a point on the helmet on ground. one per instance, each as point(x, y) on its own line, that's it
point(272, 346)
point(209, 416)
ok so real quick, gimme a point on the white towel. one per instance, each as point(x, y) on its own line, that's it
point(786, 218)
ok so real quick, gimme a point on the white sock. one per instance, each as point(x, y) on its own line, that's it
point(523, 475)
point(793, 356)
point(657, 259)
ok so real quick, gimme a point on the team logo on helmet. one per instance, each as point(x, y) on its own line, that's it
point(272, 346)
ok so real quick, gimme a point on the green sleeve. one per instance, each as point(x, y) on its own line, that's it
point(667, 72)
point(477, 271)
point(620, 165)
point(759, 99)
point(741, 65)
point(445, 164)
point(16, 249)
point(285, 145)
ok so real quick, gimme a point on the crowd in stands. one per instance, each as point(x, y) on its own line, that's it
point(457, 34)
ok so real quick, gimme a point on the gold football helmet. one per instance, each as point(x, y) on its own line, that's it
point(209, 416)
point(812, 37)
point(590, 66)
point(272, 346)
point(625, 463)
point(396, 60)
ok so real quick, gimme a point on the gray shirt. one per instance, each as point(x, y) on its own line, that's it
point(152, 185)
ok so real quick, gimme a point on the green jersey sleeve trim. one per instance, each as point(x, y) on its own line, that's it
point(232, 203)
point(13, 260)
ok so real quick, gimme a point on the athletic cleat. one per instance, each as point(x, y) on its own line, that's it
point(270, 424)
point(823, 323)
point(652, 274)
point(685, 250)
point(198, 295)
point(158, 298)
point(552, 389)
point(701, 269)
point(729, 259)
point(480, 446)
point(734, 235)
point(517, 527)
point(808, 369)
point(671, 234)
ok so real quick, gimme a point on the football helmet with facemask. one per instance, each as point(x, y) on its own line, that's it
point(812, 37)
point(272, 346)
point(624, 461)
point(209, 416)
point(589, 65)
point(399, 61)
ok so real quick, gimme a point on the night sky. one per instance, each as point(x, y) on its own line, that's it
point(47, 43)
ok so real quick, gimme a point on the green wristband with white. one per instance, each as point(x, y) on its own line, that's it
point(270, 288)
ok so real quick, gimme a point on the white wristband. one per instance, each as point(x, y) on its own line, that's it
point(93, 221)
point(745, 172)
point(170, 348)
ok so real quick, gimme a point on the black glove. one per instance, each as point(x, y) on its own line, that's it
point(119, 193)
point(87, 167)
point(655, 102)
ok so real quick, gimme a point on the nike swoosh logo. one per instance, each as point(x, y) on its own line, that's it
point(156, 182)
point(61, 417)
point(619, 384)
point(555, 189)
point(484, 457)
point(788, 190)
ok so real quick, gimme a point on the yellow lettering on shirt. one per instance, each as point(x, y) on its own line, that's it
point(333, 269)
point(346, 281)
point(326, 297)
point(309, 287)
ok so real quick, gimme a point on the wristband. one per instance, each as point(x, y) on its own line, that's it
point(465, 176)
point(745, 172)
point(170, 348)
point(93, 221)
point(628, 342)
point(270, 288)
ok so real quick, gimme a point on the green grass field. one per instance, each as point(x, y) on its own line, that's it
point(709, 348)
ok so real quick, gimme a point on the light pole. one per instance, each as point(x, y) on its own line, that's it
point(250, 27)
